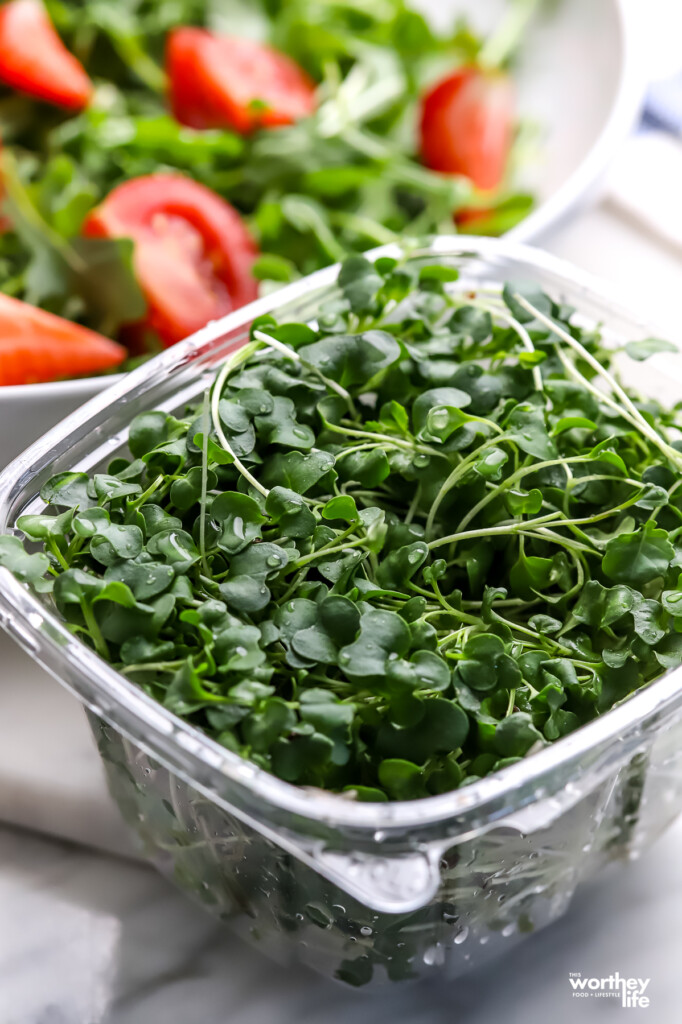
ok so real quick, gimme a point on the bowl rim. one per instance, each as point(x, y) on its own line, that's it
point(38, 629)
point(623, 116)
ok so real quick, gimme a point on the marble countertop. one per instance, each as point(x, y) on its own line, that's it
point(87, 938)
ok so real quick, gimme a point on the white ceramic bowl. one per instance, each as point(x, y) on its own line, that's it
point(579, 81)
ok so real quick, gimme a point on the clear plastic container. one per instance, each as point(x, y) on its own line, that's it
point(362, 892)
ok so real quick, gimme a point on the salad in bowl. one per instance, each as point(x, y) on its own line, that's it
point(162, 163)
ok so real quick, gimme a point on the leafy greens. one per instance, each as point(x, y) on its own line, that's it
point(393, 550)
point(332, 184)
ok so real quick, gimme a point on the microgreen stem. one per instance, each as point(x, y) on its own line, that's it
point(644, 427)
point(524, 337)
point(292, 354)
point(389, 438)
point(239, 357)
point(92, 624)
point(143, 498)
point(54, 548)
point(323, 553)
point(457, 473)
point(205, 429)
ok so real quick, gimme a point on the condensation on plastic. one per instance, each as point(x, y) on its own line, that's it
point(359, 891)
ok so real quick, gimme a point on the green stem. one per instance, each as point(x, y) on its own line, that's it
point(292, 354)
point(336, 428)
point(636, 417)
point(95, 632)
point(500, 47)
point(323, 552)
point(142, 498)
point(231, 364)
point(505, 485)
point(205, 428)
point(458, 472)
point(522, 333)
point(54, 548)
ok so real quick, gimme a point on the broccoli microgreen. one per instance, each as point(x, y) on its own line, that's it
point(392, 550)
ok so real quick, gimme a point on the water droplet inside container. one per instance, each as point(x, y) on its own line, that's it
point(461, 936)
point(434, 955)
point(508, 930)
point(366, 930)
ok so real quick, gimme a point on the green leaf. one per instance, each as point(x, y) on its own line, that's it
point(638, 557)
point(187, 490)
point(515, 735)
point(369, 468)
point(40, 527)
point(239, 519)
point(601, 607)
point(522, 503)
point(145, 579)
point(402, 779)
point(573, 423)
point(527, 428)
point(245, 589)
point(442, 729)
point(68, 490)
point(382, 633)
point(641, 350)
point(108, 541)
point(270, 267)
point(26, 567)
point(360, 283)
point(341, 507)
point(298, 472)
point(491, 464)
point(668, 652)
point(263, 727)
point(401, 565)
point(353, 359)
point(106, 282)
point(534, 297)
point(486, 666)
point(147, 430)
point(281, 426)
point(438, 401)
point(531, 575)
point(176, 547)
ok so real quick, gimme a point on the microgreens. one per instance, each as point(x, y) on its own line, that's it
point(391, 551)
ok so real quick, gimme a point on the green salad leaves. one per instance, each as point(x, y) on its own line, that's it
point(337, 182)
point(391, 551)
